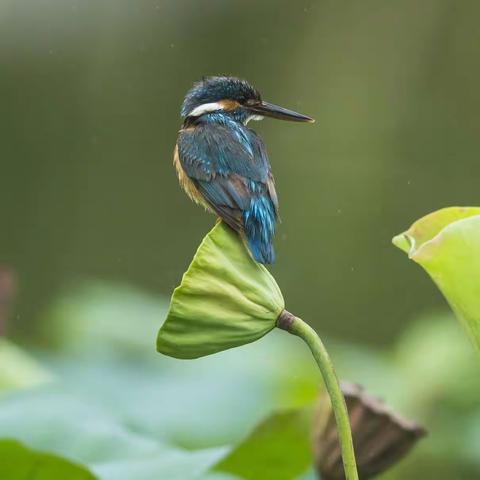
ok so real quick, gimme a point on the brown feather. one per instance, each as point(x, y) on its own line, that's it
point(187, 184)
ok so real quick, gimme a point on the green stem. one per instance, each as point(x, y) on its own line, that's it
point(296, 326)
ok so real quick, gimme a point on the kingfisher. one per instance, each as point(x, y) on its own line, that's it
point(223, 165)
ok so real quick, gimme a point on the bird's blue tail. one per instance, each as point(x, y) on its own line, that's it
point(259, 224)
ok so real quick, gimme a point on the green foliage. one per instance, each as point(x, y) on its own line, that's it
point(225, 300)
point(170, 463)
point(140, 434)
point(278, 449)
point(77, 427)
point(18, 462)
point(126, 413)
point(446, 244)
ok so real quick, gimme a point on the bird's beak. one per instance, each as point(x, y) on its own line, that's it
point(266, 109)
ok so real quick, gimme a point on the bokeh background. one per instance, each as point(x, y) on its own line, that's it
point(90, 97)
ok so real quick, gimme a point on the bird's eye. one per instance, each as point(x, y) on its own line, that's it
point(249, 102)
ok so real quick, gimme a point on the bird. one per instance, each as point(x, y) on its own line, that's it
point(223, 165)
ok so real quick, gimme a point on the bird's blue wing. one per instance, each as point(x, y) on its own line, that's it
point(228, 165)
point(211, 149)
point(230, 169)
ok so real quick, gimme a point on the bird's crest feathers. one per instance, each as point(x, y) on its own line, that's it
point(215, 89)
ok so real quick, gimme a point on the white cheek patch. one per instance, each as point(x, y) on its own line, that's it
point(254, 117)
point(205, 108)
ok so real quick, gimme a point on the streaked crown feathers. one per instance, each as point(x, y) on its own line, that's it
point(215, 89)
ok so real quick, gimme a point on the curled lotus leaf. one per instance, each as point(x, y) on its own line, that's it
point(225, 300)
point(446, 243)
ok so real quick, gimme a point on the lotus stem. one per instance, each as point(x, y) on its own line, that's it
point(296, 326)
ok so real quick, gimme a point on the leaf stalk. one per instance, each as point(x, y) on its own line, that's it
point(296, 326)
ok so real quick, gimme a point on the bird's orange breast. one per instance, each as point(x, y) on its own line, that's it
point(187, 184)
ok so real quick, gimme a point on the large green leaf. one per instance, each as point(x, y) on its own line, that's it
point(71, 425)
point(134, 435)
point(81, 429)
point(126, 434)
point(278, 448)
point(171, 464)
point(225, 299)
point(446, 244)
point(18, 462)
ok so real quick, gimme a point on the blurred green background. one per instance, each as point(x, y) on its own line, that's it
point(91, 92)
point(90, 97)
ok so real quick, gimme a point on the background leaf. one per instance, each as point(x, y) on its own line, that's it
point(278, 449)
point(172, 464)
point(21, 463)
point(116, 405)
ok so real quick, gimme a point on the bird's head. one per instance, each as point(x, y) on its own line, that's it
point(236, 97)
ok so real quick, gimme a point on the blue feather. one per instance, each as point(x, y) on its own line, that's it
point(228, 164)
point(259, 226)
